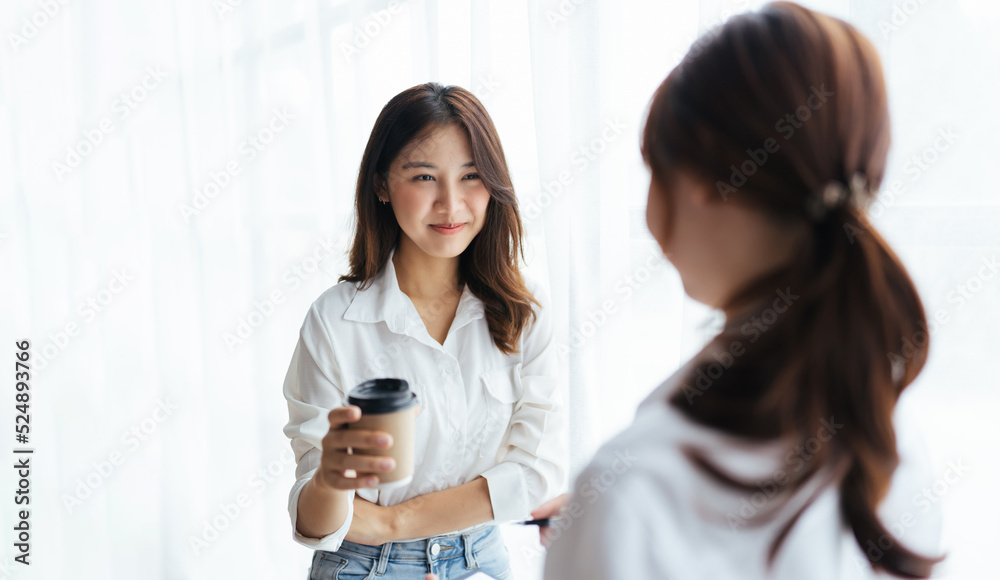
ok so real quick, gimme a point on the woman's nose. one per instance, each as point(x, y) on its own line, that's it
point(449, 196)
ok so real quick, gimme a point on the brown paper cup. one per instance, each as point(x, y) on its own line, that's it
point(388, 405)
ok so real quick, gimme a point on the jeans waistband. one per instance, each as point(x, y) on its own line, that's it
point(444, 547)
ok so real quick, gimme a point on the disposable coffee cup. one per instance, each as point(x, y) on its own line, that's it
point(388, 405)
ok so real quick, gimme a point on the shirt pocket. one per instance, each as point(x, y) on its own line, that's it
point(501, 392)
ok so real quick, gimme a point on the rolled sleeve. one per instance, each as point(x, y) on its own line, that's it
point(508, 492)
point(311, 393)
point(536, 458)
point(330, 543)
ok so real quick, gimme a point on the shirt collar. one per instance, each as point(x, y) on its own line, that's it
point(384, 301)
point(469, 308)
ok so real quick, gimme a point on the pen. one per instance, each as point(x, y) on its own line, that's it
point(539, 522)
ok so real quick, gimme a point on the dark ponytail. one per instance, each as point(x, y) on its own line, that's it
point(830, 350)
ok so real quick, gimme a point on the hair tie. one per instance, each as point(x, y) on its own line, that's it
point(835, 194)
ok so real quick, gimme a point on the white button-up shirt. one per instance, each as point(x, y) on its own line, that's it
point(641, 509)
point(482, 413)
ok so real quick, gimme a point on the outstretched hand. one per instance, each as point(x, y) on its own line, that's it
point(549, 509)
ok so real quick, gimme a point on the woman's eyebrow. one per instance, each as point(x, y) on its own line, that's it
point(428, 165)
point(410, 164)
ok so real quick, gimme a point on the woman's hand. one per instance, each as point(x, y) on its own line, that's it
point(339, 469)
point(549, 509)
point(372, 525)
point(325, 502)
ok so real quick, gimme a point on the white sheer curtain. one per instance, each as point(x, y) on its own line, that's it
point(176, 182)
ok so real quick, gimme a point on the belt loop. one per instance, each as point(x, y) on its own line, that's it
point(383, 559)
point(470, 556)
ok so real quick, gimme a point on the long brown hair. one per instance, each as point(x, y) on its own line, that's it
point(489, 266)
point(775, 109)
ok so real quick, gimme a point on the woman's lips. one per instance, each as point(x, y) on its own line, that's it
point(448, 229)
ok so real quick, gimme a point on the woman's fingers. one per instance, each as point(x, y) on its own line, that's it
point(343, 415)
point(341, 466)
point(552, 507)
point(549, 509)
point(363, 464)
point(356, 439)
point(340, 438)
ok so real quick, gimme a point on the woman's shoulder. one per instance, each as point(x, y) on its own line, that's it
point(648, 450)
point(657, 456)
point(333, 303)
point(651, 460)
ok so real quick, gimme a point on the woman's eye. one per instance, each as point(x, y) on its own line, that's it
point(423, 177)
point(472, 176)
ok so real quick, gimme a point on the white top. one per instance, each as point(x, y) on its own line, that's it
point(642, 510)
point(481, 412)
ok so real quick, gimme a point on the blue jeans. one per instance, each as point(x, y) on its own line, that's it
point(449, 556)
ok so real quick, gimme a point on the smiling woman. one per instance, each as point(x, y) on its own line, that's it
point(435, 296)
point(450, 124)
point(440, 204)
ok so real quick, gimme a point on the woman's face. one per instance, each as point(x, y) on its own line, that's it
point(694, 234)
point(438, 198)
point(717, 246)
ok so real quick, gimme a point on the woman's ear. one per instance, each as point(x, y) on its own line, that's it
point(382, 188)
point(700, 192)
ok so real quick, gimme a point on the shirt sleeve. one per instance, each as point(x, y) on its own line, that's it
point(311, 394)
point(535, 465)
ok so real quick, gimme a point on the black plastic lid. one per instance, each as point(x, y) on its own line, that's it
point(382, 396)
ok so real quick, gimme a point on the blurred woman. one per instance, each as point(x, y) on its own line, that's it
point(772, 453)
point(435, 297)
